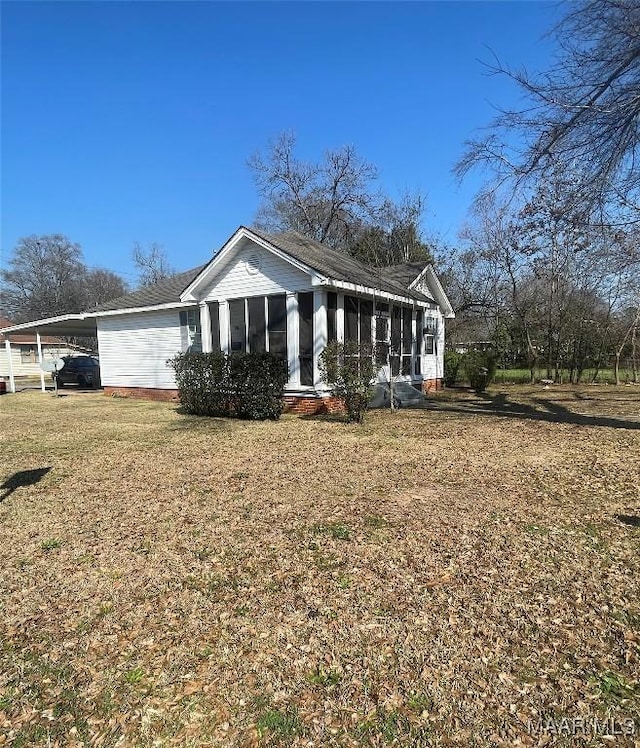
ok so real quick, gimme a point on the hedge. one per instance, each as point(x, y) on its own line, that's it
point(241, 385)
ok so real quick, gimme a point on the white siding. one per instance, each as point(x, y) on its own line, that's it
point(273, 277)
point(20, 369)
point(134, 349)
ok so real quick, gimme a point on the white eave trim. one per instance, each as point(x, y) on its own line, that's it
point(370, 291)
point(433, 282)
point(136, 309)
point(47, 320)
point(189, 293)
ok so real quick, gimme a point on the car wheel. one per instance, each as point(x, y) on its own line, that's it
point(82, 382)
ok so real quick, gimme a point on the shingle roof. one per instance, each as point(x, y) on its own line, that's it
point(404, 274)
point(340, 266)
point(166, 292)
point(319, 257)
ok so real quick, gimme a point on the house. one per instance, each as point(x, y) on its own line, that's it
point(283, 293)
point(20, 358)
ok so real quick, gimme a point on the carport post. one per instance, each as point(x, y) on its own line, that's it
point(39, 341)
point(12, 379)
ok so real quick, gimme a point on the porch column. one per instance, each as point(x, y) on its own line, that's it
point(223, 311)
point(39, 343)
point(205, 327)
point(293, 342)
point(320, 332)
point(340, 319)
point(12, 379)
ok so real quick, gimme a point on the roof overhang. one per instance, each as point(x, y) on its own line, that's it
point(204, 279)
point(429, 276)
point(67, 325)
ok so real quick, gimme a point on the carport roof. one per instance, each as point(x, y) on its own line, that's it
point(68, 325)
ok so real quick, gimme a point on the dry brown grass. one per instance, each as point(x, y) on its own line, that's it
point(435, 577)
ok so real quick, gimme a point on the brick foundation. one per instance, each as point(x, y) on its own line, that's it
point(431, 385)
point(312, 406)
point(142, 393)
point(292, 403)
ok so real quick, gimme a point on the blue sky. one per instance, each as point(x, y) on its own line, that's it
point(126, 122)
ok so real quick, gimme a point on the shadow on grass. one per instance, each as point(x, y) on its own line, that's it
point(22, 478)
point(540, 409)
point(189, 421)
point(628, 519)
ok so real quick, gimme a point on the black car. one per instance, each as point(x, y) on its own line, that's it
point(81, 370)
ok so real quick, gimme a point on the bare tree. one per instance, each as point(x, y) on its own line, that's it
point(337, 201)
point(583, 113)
point(45, 277)
point(152, 264)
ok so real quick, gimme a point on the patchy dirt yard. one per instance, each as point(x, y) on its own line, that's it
point(466, 574)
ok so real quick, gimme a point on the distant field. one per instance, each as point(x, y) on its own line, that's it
point(445, 576)
point(604, 376)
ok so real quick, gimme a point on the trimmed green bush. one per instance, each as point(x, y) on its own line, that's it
point(348, 369)
point(480, 368)
point(242, 385)
point(452, 361)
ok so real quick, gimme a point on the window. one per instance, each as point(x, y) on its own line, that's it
point(419, 326)
point(332, 309)
point(429, 345)
point(214, 313)
point(237, 325)
point(396, 337)
point(190, 331)
point(277, 313)
point(351, 318)
point(430, 336)
point(27, 355)
point(305, 337)
point(366, 313)
point(407, 340)
point(257, 325)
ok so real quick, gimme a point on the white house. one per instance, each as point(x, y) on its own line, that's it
point(282, 293)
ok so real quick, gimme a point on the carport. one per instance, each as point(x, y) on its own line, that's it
point(67, 325)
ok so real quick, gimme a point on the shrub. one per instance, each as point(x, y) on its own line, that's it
point(480, 367)
point(452, 361)
point(348, 368)
point(244, 385)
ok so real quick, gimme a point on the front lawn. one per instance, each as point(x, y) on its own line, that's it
point(451, 575)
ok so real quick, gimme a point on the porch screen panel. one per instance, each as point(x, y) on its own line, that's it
point(305, 337)
point(237, 325)
point(366, 313)
point(406, 340)
point(257, 325)
point(351, 318)
point(278, 325)
point(396, 338)
point(419, 326)
point(332, 310)
point(382, 334)
point(214, 314)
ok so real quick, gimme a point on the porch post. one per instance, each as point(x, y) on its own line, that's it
point(293, 342)
point(12, 379)
point(39, 342)
point(223, 317)
point(320, 331)
point(340, 318)
point(205, 327)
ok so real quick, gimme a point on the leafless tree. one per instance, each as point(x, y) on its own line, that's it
point(337, 201)
point(152, 264)
point(583, 113)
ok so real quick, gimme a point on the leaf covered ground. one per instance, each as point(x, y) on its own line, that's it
point(464, 574)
